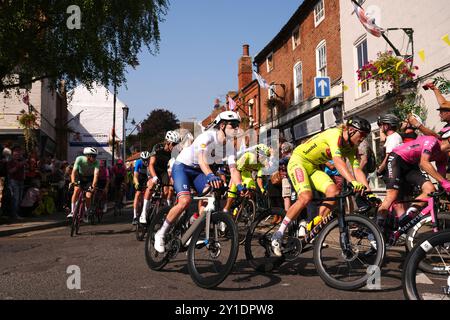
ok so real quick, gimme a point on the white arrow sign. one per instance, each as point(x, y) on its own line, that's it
point(322, 86)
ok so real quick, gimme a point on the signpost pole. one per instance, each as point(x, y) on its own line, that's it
point(322, 118)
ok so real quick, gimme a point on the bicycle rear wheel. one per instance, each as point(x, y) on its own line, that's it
point(258, 243)
point(76, 219)
point(155, 260)
point(211, 260)
point(352, 270)
point(418, 285)
point(244, 218)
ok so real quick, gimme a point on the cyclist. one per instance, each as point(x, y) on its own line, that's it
point(103, 184)
point(140, 179)
point(85, 174)
point(404, 165)
point(192, 167)
point(248, 163)
point(119, 180)
point(159, 159)
point(305, 173)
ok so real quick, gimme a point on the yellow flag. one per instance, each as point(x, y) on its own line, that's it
point(422, 55)
point(380, 71)
point(446, 39)
point(345, 88)
point(361, 83)
point(398, 65)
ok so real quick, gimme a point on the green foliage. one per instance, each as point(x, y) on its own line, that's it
point(154, 129)
point(411, 103)
point(442, 84)
point(35, 41)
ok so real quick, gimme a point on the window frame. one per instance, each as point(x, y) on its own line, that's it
point(298, 97)
point(321, 18)
point(294, 45)
point(322, 44)
point(270, 67)
point(365, 87)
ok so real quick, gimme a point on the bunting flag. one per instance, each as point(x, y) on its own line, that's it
point(345, 88)
point(422, 55)
point(367, 21)
point(381, 71)
point(231, 104)
point(262, 83)
point(446, 39)
point(361, 83)
point(398, 65)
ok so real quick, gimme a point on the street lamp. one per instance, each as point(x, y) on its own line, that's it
point(125, 117)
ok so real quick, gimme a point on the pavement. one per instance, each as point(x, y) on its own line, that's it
point(28, 224)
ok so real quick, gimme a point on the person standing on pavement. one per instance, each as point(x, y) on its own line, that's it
point(16, 177)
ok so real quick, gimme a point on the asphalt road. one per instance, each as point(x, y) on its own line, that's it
point(112, 266)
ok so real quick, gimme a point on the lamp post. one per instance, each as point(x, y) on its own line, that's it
point(125, 117)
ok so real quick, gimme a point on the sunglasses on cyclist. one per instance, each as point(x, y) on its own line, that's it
point(234, 124)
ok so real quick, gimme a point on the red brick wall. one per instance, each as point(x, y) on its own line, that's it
point(285, 57)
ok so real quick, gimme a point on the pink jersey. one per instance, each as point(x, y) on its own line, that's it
point(412, 151)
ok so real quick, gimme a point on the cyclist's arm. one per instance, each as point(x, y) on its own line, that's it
point(383, 164)
point(426, 131)
point(203, 162)
point(151, 166)
point(235, 174)
point(73, 176)
point(426, 165)
point(135, 178)
point(94, 183)
point(341, 166)
point(260, 183)
point(361, 177)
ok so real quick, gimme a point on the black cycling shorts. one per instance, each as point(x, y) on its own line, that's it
point(86, 182)
point(399, 172)
point(163, 177)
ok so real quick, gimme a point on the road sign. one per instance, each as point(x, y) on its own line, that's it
point(322, 87)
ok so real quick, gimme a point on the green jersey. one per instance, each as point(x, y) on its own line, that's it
point(86, 168)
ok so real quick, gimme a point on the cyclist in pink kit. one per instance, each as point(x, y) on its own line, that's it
point(404, 165)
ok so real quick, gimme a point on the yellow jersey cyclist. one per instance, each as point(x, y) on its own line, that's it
point(248, 163)
point(85, 172)
point(305, 173)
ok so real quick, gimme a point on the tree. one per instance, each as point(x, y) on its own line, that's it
point(154, 129)
point(37, 40)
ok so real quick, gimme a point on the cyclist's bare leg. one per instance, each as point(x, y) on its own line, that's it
point(136, 203)
point(76, 192)
point(383, 210)
point(228, 204)
point(326, 206)
point(182, 204)
point(427, 188)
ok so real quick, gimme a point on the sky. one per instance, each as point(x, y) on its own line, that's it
point(201, 42)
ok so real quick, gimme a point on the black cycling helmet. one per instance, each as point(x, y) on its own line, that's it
point(390, 119)
point(360, 124)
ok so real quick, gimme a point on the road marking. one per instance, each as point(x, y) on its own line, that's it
point(423, 279)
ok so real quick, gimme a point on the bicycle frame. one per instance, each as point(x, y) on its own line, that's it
point(431, 209)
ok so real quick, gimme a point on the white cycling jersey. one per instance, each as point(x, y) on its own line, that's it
point(215, 151)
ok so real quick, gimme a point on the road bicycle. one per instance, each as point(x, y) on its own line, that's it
point(156, 202)
point(211, 254)
point(345, 246)
point(419, 284)
point(79, 211)
point(431, 219)
point(96, 212)
point(118, 195)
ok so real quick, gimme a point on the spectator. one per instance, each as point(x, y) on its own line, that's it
point(286, 188)
point(16, 177)
point(31, 199)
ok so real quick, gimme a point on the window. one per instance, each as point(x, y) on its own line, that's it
point(361, 53)
point(295, 37)
point(321, 59)
point(298, 83)
point(319, 12)
point(271, 91)
point(269, 61)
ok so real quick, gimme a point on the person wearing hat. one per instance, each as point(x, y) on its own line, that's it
point(444, 113)
point(389, 124)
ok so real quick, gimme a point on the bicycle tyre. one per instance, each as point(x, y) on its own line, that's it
point(197, 274)
point(244, 219)
point(413, 234)
point(258, 248)
point(412, 262)
point(377, 258)
point(151, 255)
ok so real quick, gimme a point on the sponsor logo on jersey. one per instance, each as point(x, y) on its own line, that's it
point(310, 149)
point(299, 175)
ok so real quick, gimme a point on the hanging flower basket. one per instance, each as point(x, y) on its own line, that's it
point(274, 102)
point(387, 70)
point(27, 122)
point(442, 84)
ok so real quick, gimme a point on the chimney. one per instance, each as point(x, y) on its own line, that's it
point(245, 68)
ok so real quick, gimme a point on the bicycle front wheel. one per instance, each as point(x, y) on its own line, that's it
point(418, 285)
point(352, 269)
point(210, 260)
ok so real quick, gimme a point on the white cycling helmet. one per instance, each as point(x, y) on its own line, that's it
point(90, 151)
point(445, 133)
point(226, 116)
point(173, 136)
point(145, 155)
